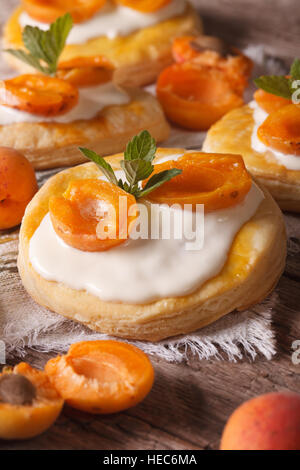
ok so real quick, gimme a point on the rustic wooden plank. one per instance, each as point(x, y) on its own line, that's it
point(273, 23)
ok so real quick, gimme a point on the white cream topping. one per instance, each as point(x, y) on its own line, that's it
point(144, 270)
point(289, 161)
point(91, 101)
point(113, 21)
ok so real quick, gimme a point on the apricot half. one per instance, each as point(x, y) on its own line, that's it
point(268, 422)
point(211, 52)
point(269, 102)
point(17, 186)
point(102, 377)
point(144, 6)
point(86, 71)
point(281, 130)
point(77, 215)
point(48, 11)
point(215, 180)
point(29, 404)
point(38, 94)
point(195, 97)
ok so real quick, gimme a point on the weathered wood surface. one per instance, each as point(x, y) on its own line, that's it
point(190, 403)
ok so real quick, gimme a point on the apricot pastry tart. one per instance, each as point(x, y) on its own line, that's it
point(135, 37)
point(266, 133)
point(143, 285)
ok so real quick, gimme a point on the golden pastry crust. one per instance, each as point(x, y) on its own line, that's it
point(255, 262)
point(232, 134)
point(138, 57)
point(50, 144)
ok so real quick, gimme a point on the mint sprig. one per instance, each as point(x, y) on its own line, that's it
point(44, 47)
point(137, 166)
point(280, 85)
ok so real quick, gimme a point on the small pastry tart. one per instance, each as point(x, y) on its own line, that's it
point(137, 43)
point(266, 132)
point(149, 288)
point(104, 118)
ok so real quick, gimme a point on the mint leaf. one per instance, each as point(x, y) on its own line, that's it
point(142, 147)
point(158, 179)
point(102, 164)
point(136, 170)
point(44, 47)
point(277, 85)
point(295, 70)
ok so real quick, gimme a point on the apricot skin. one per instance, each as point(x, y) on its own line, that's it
point(17, 186)
point(267, 422)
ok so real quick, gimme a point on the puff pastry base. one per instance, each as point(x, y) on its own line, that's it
point(232, 134)
point(51, 145)
point(255, 262)
point(138, 57)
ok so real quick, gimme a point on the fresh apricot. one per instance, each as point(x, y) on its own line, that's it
point(281, 130)
point(17, 186)
point(269, 102)
point(145, 6)
point(194, 97)
point(48, 11)
point(86, 203)
point(86, 71)
point(215, 180)
point(212, 52)
point(38, 94)
point(267, 422)
point(86, 76)
point(29, 404)
point(102, 377)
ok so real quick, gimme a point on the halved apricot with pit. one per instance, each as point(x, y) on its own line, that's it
point(29, 404)
point(102, 377)
point(93, 215)
point(38, 94)
point(195, 97)
point(215, 180)
point(48, 11)
point(144, 6)
point(281, 130)
point(269, 102)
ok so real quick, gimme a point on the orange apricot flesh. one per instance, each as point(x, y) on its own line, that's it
point(38, 94)
point(144, 6)
point(35, 415)
point(211, 52)
point(269, 102)
point(102, 377)
point(281, 130)
point(76, 214)
point(48, 11)
point(267, 422)
point(85, 76)
point(194, 97)
point(86, 71)
point(215, 180)
point(17, 186)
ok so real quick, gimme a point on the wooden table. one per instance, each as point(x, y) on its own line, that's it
point(190, 403)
